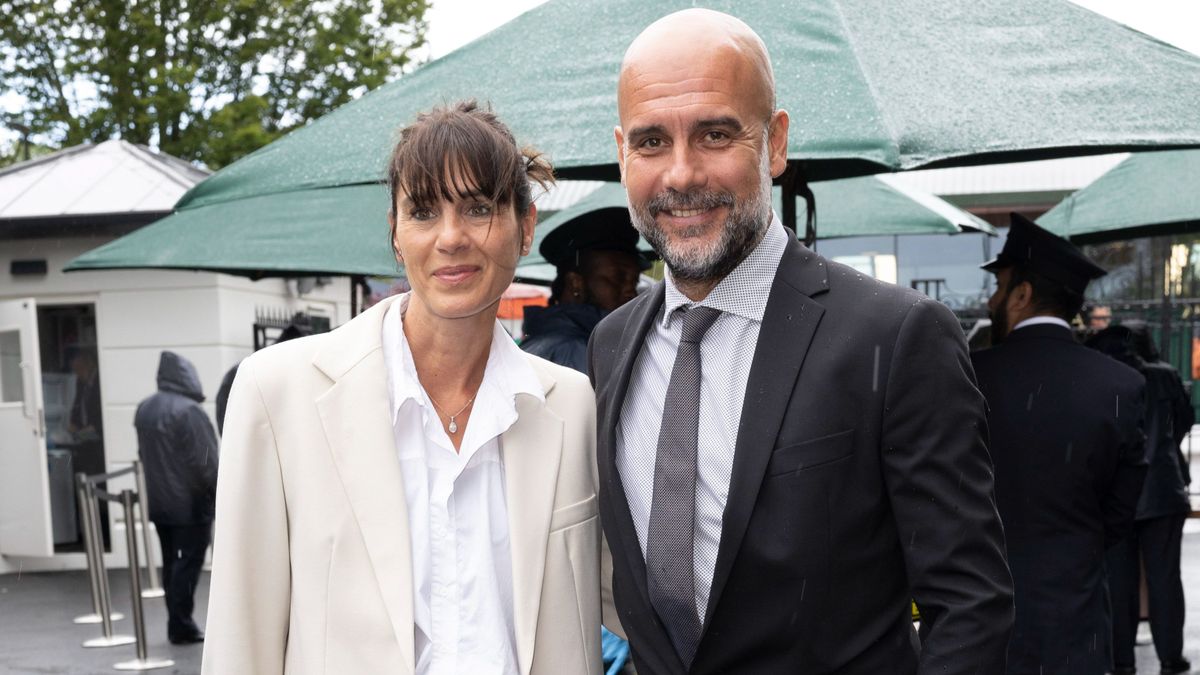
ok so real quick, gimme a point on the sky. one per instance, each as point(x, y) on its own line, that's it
point(454, 23)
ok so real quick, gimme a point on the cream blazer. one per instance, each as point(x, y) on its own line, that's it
point(311, 561)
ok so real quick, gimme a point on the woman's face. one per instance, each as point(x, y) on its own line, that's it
point(460, 255)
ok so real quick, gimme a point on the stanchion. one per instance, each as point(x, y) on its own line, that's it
point(90, 550)
point(142, 662)
point(92, 531)
point(153, 588)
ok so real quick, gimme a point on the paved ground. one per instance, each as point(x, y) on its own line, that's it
point(37, 635)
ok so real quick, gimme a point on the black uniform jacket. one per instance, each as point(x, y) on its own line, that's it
point(1066, 426)
point(860, 480)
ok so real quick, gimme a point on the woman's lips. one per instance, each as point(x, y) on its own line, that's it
point(456, 274)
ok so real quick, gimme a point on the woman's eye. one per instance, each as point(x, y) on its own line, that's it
point(421, 213)
point(480, 210)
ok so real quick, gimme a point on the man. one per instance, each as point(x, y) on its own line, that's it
point(776, 488)
point(1155, 542)
point(598, 268)
point(1067, 445)
point(178, 447)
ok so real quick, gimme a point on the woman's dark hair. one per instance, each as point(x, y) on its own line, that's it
point(463, 150)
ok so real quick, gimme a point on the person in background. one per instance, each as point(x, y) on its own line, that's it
point(1066, 440)
point(291, 332)
point(1161, 510)
point(86, 421)
point(1099, 317)
point(178, 448)
point(598, 267)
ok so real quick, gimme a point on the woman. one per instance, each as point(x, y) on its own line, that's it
point(410, 493)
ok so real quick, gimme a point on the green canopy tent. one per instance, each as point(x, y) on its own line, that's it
point(1150, 193)
point(281, 241)
point(870, 86)
point(852, 207)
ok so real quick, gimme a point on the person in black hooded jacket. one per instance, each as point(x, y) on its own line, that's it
point(178, 447)
point(1161, 510)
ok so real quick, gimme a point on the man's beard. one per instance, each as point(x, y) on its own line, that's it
point(741, 232)
point(999, 322)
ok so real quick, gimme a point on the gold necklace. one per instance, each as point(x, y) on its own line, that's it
point(453, 426)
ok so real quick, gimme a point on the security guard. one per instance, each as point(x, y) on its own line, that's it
point(1067, 445)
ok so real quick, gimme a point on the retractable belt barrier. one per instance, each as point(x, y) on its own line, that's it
point(89, 509)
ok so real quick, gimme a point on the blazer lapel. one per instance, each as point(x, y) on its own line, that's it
point(630, 346)
point(357, 421)
point(531, 450)
point(789, 323)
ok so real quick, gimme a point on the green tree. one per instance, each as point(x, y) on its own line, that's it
point(204, 80)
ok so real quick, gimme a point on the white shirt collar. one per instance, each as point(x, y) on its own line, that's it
point(1035, 320)
point(507, 374)
point(743, 291)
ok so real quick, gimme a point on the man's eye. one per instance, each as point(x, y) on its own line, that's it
point(715, 136)
point(651, 143)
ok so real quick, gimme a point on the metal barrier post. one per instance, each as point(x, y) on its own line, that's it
point(89, 547)
point(153, 588)
point(142, 662)
point(92, 525)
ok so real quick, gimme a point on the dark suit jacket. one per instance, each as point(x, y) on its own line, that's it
point(860, 480)
point(1068, 448)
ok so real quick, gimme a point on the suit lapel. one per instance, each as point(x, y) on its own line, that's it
point(531, 450)
point(789, 323)
point(630, 346)
point(357, 422)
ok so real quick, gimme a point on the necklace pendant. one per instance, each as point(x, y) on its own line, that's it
point(453, 426)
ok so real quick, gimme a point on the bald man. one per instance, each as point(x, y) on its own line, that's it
point(788, 451)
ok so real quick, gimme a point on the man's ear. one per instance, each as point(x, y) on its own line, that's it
point(575, 285)
point(777, 142)
point(1021, 297)
point(619, 135)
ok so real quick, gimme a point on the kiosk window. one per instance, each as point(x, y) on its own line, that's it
point(12, 389)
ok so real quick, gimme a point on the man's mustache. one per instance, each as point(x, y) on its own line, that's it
point(684, 201)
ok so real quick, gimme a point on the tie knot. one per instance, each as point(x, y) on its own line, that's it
point(696, 321)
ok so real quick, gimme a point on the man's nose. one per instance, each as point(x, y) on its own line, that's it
point(686, 171)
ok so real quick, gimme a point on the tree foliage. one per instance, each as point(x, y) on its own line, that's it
point(207, 80)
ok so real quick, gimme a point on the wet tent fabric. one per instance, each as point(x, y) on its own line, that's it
point(1149, 193)
point(852, 207)
point(871, 86)
point(344, 230)
point(308, 233)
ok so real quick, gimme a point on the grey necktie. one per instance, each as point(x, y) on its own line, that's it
point(670, 577)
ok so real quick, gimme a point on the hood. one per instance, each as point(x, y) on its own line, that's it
point(569, 319)
point(177, 375)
